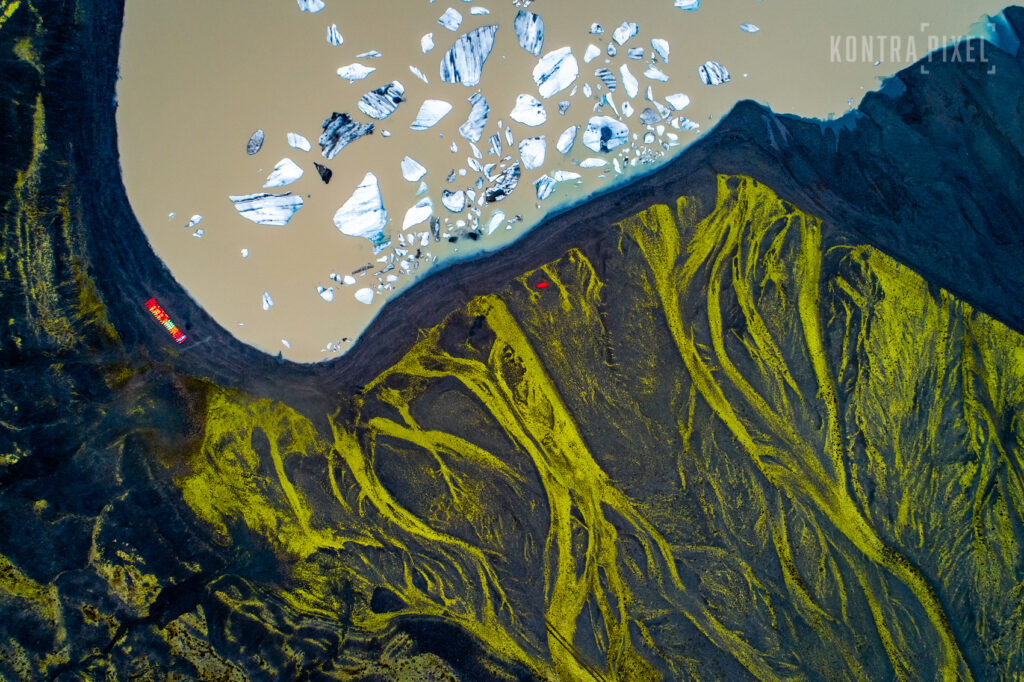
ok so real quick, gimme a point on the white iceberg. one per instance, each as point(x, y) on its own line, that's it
point(713, 73)
point(453, 201)
point(334, 36)
point(689, 5)
point(565, 176)
point(412, 170)
point(749, 28)
point(372, 54)
point(355, 72)
point(473, 128)
point(285, 172)
point(495, 221)
point(267, 209)
point(529, 29)
point(364, 295)
point(419, 74)
point(297, 141)
point(661, 48)
point(326, 293)
point(531, 151)
point(567, 139)
point(528, 111)
point(604, 134)
point(629, 82)
point(427, 43)
point(555, 71)
point(464, 62)
point(592, 52)
point(363, 215)
point(592, 162)
point(627, 110)
point(655, 74)
point(479, 11)
point(627, 30)
point(311, 6)
point(194, 220)
point(451, 19)
point(431, 111)
point(596, 29)
point(423, 209)
point(678, 101)
point(267, 301)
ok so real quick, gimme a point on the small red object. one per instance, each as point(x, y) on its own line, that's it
point(542, 285)
point(165, 320)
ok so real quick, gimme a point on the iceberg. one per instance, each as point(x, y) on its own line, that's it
point(627, 109)
point(636, 53)
point(678, 101)
point(713, 73)
point(649, 116)
point(495, 221)
point(592, 162)
point(427, 43)
point(372, 54)
point(334, 36)
point(567, 139)
point(592, 52)
point(596, 29)
point(431, 111)
point(453, 201)
point(529, 29)
point(531, 151)
point(688, 5)
point(565, 176)
point(419, 74)
point(479, 11)
point(451, 19)
point(255, 142)
point(528, 111)
point(412, 170)
point(661, 48)
point(655, 74)
point(194, 220)
point(267, 209)
point(555, 71)
point(544, 185)
point(297, 141)
point(749, 28)
point(364, 295)
point(267, 301)
point(473, 128)
point(494, 145)
point(627, 30)
point(423, 209)
point(355, 72)
point(363, 215)
point(604, 134)
point(324, 171)
point(285, 173)
point(311, 6)
point(340, 131)
point(383, 101)
point(607, 77)
point(464, 62)
point(629, 82)
point(326, 293)
point(563, 107)
point(504, 184)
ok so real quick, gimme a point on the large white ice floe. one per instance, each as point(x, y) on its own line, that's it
point(529, 111)
point(464, 62)
point(431, 111)
point(451, 19)
point(364, 295)
point(412, 170)
point(363, 214)
point(355, 72)
point(567, 139)
point(285, 172)
point(338, 132)
point(627, 30)
point(531, 151)
point(297, 141)
point(267, 209)
point(604, 134)
point(383, 101)
point(593, 162)
point(423, 209)
point(473, 128)
point(565, 176)
point(555, 71)
point(311, 6)
point(713, 73)
point(334, 36)
point(529, 29)
point(629, 82)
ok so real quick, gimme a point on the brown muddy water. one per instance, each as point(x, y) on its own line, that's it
point(198, 77)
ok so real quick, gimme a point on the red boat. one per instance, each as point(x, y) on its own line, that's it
point(164, 319)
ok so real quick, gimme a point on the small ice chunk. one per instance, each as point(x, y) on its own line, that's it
point(479, 11)
point(419, 74)
point(473, 128)
point(649, 116)
point(194, 220)
point(334, 35)
point(427, 43)
point(749, 28)
point(629, 82)
point(544, 185)
point(627, 110)
point(372, 54)
point(531, 151)
point(596, 29)
point(591, 53)
point(453, 201)
point(649, 138)
point(688, 5)
point(170, 216)
point(528, 111)
point(451, 19)
point(567, 139)
point(604, 134)
point(255, 142)
point(661, 48)
point(311, 6)
point(285, 173)
point(432, 111)
point(529, 28)
point(678, 101)
point(655, 74)
point(587, 90)
point(464, 62)
point(365, 295)
point(267, 301)
point(412, 170)
point(297, 141)
point(713, 73)
point(199, 233)
point(383, 101)
point(284, 342)
point(326, 293)
point(267, 209)
point(363, 214)
point(627, 30)
point(355, 72)
point(555, 71)
point(508, 136)
point(423, 209)
point(565, 176)
point(245, 253)
point(348, 280)
point(591, 162)
point(636, 53)
point(612, 51)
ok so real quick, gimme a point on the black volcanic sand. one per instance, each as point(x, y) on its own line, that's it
point(94, 415)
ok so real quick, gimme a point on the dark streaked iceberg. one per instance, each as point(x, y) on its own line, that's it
point(383, 101)
point(267, 209)
point(529, 29)
point(339, 132)
point(464, 62)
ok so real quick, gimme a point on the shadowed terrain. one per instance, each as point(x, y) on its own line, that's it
point(765, 421)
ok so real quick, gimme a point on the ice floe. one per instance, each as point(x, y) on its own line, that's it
point(372, 54)
point(504, 184)
point(655, 74)
point(678, 101)
point(473, 128)
point(427, 43)
point(544, 186)
point(555, 71)
point(255, 142)
point(627, 30)
point(419, 74)
point(267, 301)
point(464, 62)
point(604, 134)
point(340, 131)
point(596, 29)
point(383, 101)
point(245, 253)
point(412, 170)
point(364, 295)
point(363, 214)
point(629, 82)
point(607, 77)
point(689, 5)
point(431, 111)
point(267, 209)
point(531, 151)
point(636, 53)
point(567, 139)
point(529, 29)
point(311, 6)
point(749, 28)
point(355, 72)
point(454, 201)
point(592, 162)
point(565, 176)
point(423, 209)
point(713, 73)
point(451, 19)
point(529, 111)
point(297, 141)
point(591, 53)
point(326, 293)
point(285, 172)
point(479, 11)
point(661, 48)
point(334, 35)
